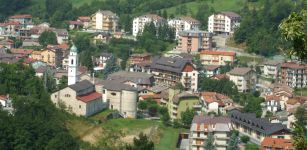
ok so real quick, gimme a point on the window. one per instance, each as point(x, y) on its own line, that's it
point(55, 96)
point(72, 61)
point(80, 106)
point(113, 94)
point(104, 91)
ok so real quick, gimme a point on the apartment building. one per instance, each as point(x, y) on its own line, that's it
point(244, 78)
point(104, 20)
point(190, 41)
point(221, 58)
point(277, 144)
point(215, 102)
point(223, 22)
point(52, 57)
point(178, 102)
point(23, 19)
point(270, 68)
point(201, 126)
point(293, 74)
point(184, 23)
point(171, 71)
point(211, 70)
point(257, 128)
point(140, 22)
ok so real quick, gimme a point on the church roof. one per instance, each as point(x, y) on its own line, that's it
point(82, 85)
point(73, 48)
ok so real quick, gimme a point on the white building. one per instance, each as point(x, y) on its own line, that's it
point(274, 103)
point(5, 101)
point(244, 78)
point(224, 22)
point(73, 65)
point(140, 22)
point(219, 127)
point(270, 69)
point(183, 24)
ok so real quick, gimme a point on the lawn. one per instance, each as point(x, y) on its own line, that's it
point(78, 3)
point(249, 59)
point(168, 139)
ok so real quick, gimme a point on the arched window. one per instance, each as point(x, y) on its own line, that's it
point(72, 61)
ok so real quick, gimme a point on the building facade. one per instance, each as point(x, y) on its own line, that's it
point(194, 41)
point(221, 58)
point(140, 22)
point(52, 57)
point(202, 126)
point(244, 78)
point(184, 23)
point(293, 74)
point(224, 22)
point(104, 20)
point(270, 69)
point(172, 71)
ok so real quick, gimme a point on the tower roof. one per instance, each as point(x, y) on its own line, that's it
point(73, 48)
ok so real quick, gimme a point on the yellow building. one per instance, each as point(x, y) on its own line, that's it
point(36, 55)
point(52, 57)
point(104, 20)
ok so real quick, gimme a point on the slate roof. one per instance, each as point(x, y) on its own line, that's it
point(175, 65)
point(158, 88)
point(82, 85)
point(210, 120)
point(136, 77)
point(257, 124)
point(184, 94)
point(240, 71)
point(116, 86)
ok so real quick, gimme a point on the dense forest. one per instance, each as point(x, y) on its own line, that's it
point(259, 26)
point(35, 123)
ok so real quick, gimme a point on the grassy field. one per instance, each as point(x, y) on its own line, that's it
point(87, 129)
point(248, 59)
point(218, 5)
point(301, 92)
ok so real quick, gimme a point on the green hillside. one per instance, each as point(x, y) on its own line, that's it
point(218, 5)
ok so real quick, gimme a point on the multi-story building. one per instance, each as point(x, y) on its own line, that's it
point(178, 102)
point(219, 127)
point(101, 60)
point(270, 68)
point(209, 57)
point(184, 23)
point(172, 71)
point(23, 19)
point(293, 74)
point(224, 22)
point(211, 70)
point(277, 144)
point(257, 128)
point(134, 79)
point(274, 103)
point(140, 22)
point(52, 57)
point(86, 21)
point(194, 41)
point(244, 78)
point(104, 20)
point(139, 58)
point(215, 102)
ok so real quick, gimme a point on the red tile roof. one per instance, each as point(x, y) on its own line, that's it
point(210, 97)
point(272, 97)
point(4, 97)
point(89, 97)
point(20, 16)
point(84, 18)
point(64, 46)
point(293, 65)
point(21, 51)
point(214, 52)
point(277, 143)
point(12, 23)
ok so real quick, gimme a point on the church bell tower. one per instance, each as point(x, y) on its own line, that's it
point(73, 65)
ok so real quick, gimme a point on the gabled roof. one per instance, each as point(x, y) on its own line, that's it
point(106, 12)
point(217, 52)
point(89, 97)
point(116, 86)
point(210, 120)
point(230, 14)
point(21, 16)
point(21, 51)
point(277, 143)
point(272, 98)
point(84, 18)
point(188, 19)
point(183, 95)
point(136, 77)
point(175, 65)
point(152, 16)
point(240, 71)
point(258, 124)
point(82, 85)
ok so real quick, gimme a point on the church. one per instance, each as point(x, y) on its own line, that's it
point(80, 97)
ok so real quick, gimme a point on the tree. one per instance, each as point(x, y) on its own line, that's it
point(47, 37)
point(111, 67)
point(141, 143)
point(293, 29)
point(142, 105)
point(63, 83)
point(209, 144)
point(163, 111)
point(187, 117)
point(299, 136)
point(251, 147)
point(63, 141)
point(244, 139)
point(233, 142)
point(300, 115)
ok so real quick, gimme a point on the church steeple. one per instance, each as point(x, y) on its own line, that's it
point(73, 65)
